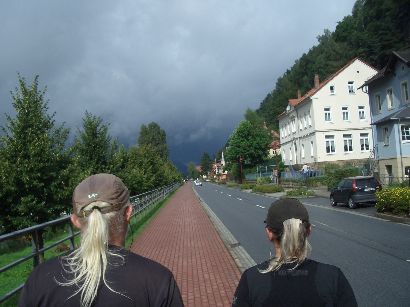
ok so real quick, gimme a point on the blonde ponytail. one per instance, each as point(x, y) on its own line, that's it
point(294, 246)
point(88, 263)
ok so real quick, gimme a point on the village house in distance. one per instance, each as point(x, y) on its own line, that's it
point(331, 122)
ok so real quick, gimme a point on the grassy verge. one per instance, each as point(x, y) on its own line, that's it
point(12, 278)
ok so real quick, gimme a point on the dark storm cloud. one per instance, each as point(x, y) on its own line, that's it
point(192, 66)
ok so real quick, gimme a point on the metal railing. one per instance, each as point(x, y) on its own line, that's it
point(140, 203)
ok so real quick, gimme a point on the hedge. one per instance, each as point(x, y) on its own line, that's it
point(267, 188)
point(395, 200)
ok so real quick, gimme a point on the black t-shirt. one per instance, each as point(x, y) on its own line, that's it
point(310, 284)
point(142, 282)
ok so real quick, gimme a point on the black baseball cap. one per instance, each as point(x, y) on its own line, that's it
point(284, 209)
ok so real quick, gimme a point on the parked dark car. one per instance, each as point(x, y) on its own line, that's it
point(353, 191)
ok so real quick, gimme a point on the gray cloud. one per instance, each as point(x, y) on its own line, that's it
point(192, 66)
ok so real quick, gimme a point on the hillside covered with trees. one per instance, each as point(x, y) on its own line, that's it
point(371, 32)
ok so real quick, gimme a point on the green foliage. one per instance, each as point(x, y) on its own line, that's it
point(263, 180)
point(394, 200)
point(192, 171)
point(372, 30)
point(93, 149)
point(247, 186)
point(206, 164)
point(301, 192)
point(33, 162)
point(153, 135)
point(334, 173)
point(248, 142)
point(267, 188)
point(231, 184)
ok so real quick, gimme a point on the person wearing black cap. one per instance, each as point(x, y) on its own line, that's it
point(290, 278)
point(101, 272)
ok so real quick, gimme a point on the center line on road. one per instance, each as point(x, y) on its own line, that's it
point(239, 198)
point(260, 206)
point(229, 195)
point(408, 260)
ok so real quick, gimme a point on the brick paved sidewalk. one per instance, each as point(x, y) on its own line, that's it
point(182, 238)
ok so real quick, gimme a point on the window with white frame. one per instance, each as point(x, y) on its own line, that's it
point(309, 119)
point(293, 125)
point(389, 98)
point(362, 114)
point(305, 121)
point(330, 144)
point(364, 141)
point(386, 136)
point(290, 154)
point(328, 116)
point(303, 151)
point(300, 124)
point(350, 87)
point(284, 156)
point(345, 113)
point(347, 143)
point(378, 103)
point(288, 125)
point(332, 89)
point(405, 133)
point(311, 148)
point(404, 92)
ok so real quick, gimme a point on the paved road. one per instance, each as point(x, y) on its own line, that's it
point(373, 253)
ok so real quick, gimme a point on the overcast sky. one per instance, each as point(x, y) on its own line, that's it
point(192, 66)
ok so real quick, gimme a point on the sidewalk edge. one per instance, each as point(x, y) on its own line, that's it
point(242, 259)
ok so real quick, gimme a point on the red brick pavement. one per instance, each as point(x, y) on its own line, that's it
point(182, 238)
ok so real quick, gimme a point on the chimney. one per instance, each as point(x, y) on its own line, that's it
point(317, 81)
point(299, 94)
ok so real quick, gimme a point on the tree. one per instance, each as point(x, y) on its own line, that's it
point(248, 145)
point(192, 171)
point(206, 164)
point(153, 135)
point(34, 163)
point(93, 148)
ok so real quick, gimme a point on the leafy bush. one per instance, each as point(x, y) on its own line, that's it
point(231, 184)
point(335, 173)
point(247, 186)
point(300, 192)
point(395, 200)
point(267, 188)
point(263, 180)
point(315, 181)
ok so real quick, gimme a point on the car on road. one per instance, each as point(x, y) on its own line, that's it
point(198, 182)
point(353, 191)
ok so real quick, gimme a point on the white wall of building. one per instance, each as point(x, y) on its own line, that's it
point(338, 96)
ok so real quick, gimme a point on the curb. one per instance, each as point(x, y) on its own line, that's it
point(238, 253)
point(393, 218)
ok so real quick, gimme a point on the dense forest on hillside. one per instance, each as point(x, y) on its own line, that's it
point(371, 32)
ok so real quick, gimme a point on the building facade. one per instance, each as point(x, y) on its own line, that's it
point(390, 109)
point(331, 122)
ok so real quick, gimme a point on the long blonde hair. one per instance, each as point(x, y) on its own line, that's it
point(294, 246)
point(89, 262)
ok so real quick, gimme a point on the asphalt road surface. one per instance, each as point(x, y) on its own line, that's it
point(373, 253)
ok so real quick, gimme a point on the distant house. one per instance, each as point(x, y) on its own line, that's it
point(274, 146)
point(390, 109)
point(217, 171)
point(331, 122)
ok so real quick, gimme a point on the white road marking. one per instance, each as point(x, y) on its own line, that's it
point(260, 206)
point(229, 195)
point(239, 198)
point(222, 192)
point(408, 260)
point(322, 224)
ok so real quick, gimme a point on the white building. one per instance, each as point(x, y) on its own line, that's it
point(331, 122)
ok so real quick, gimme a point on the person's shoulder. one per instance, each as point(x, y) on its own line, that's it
point(324, 267)
point(146, 264)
